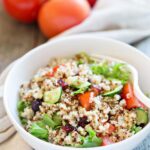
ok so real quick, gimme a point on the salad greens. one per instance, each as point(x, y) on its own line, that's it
point(117, 90)
point(91, 140)
point(21, 105)
point(136, 129)
point(38, 130)
point(57, 120)
point(81, 86)
point(52, 122)
point(84, 57)
point(115, 71)
point(48, 121)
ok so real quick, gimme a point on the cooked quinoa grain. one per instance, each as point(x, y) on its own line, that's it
point(80, 102)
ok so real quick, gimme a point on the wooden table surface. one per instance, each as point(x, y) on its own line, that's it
point(16, 38)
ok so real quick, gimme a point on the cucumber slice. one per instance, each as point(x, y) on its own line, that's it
point(117, 90)
point(142, 116)
point(53, 96)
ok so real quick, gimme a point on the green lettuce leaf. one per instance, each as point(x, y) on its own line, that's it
point(21, 105)
point(57, 120)
point(48, 121)
point(116, 71)
point(80, 86)
point(53, 122)
point(39, 131)
point(91, 140)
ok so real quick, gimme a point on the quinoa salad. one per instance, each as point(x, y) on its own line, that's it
point(81, 102)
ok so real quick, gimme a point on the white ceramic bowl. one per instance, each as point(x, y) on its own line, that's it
point(25, 68)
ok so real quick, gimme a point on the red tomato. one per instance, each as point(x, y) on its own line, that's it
point(106, 141)
point(25, 11)
point(85, 100)
point(111, 128)
point(56, 16)
point(55, 68)
point(50, 74)
point(92, 2)
point(128, 95)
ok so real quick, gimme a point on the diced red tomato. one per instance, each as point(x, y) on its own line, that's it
point(50, 74)
point(111, 128)
point(85, 99)
point(55, 68)
point(128, 95)
point(106, 141)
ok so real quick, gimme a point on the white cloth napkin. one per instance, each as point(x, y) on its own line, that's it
point(125, 20)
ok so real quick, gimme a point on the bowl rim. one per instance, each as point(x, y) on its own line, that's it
point(48, 44)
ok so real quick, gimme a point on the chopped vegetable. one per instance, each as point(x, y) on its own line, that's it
point(136, 129)
point(57, 120)
point(78, 84)
point(106, 141)
point(117, 90)
point(38, 131)
point(84, 57)
point(142, 116)
point(111, 128)
point(115, 71)
point(53, 122)
point(53, 96)
point(79, 91)
point(91, 140)
point(85, 99)
point(80, 62)
point(21, 105)
point(23, 121)
point(81, 86)
point(128, 95)
point(55, 68)
point(48, 121)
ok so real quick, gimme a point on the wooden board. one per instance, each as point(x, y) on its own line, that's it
point(16, 38)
